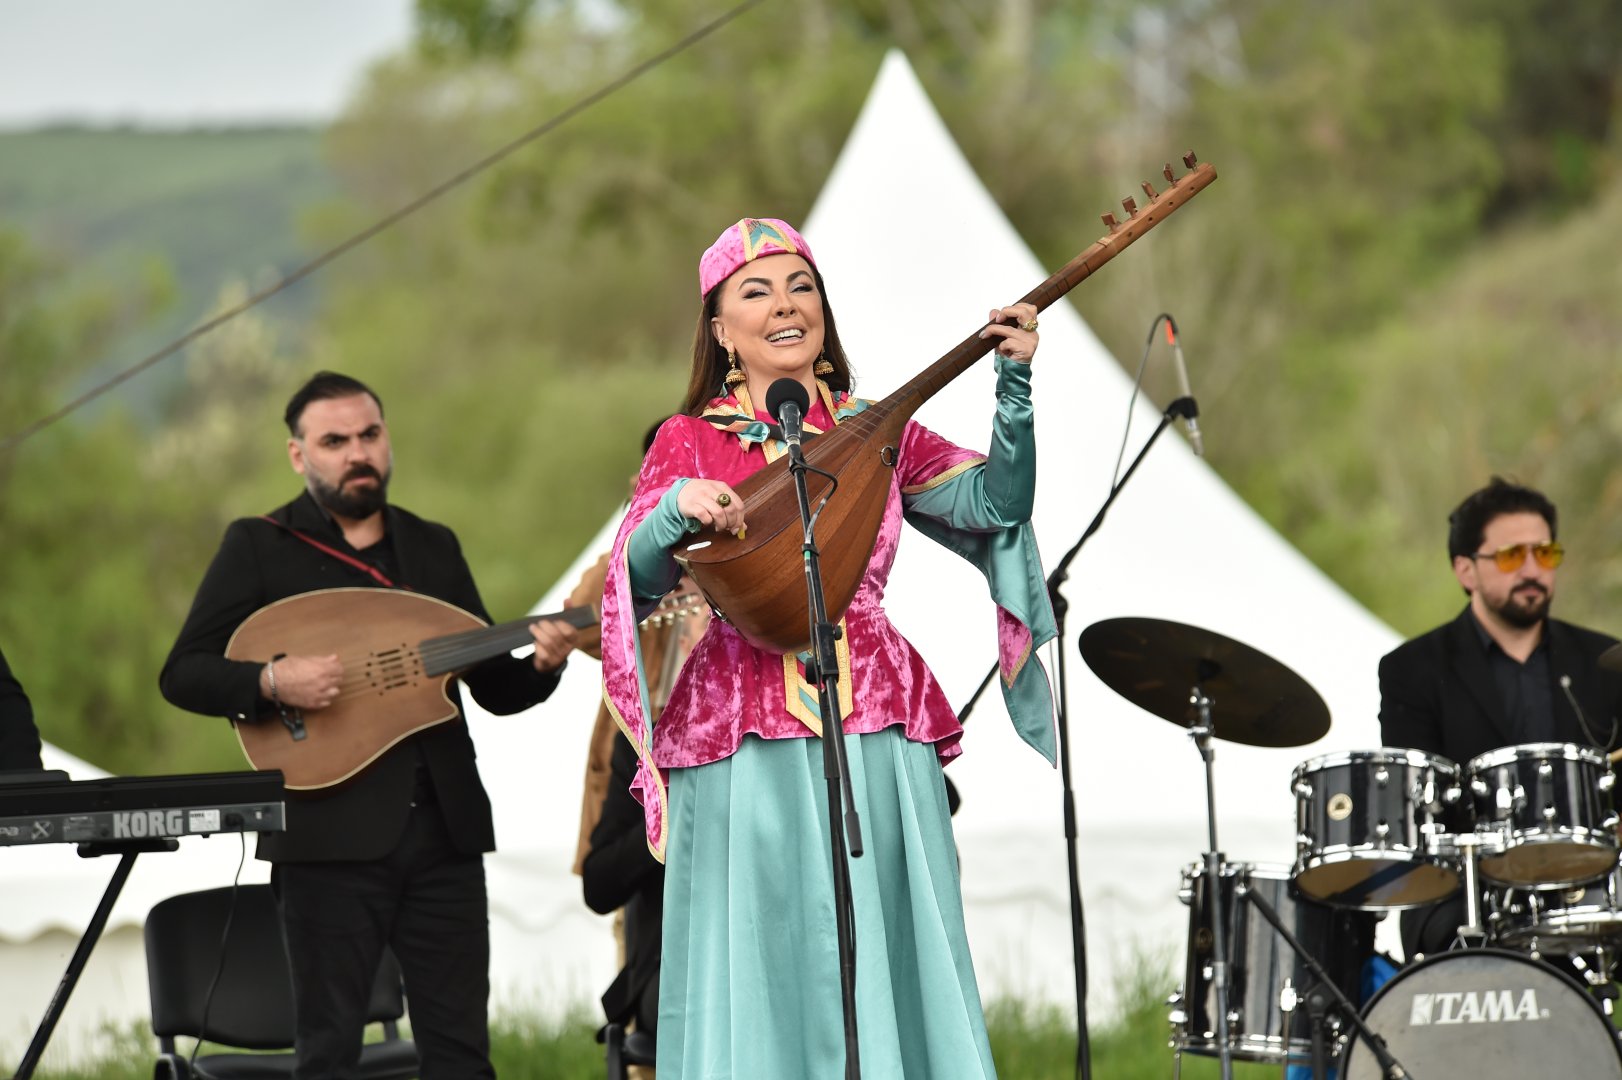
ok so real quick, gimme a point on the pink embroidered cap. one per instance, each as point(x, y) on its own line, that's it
point(745, 242)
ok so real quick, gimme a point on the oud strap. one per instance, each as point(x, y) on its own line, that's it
point(364, 567)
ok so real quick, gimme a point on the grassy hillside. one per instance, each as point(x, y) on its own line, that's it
point(194, 210)
point(1511, 364)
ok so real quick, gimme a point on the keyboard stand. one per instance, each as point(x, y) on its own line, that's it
point(126, 850)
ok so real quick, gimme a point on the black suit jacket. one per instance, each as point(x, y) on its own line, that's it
point(364, 817)
point(620, 871)
point(1437, 692)
point(19, 738)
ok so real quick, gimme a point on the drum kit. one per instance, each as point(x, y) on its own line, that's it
point(1277, 954)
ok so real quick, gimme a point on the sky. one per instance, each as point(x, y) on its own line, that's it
point(174, 63)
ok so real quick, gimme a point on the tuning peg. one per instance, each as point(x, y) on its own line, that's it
point(1130, 206)
point(1190, 160)
point(1109, 219)
point(1171, 177)
point(1149, 191)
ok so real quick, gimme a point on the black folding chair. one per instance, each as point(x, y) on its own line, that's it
point(625, 1048)
point(251, 1006)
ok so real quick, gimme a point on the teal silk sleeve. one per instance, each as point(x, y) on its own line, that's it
point(1000, 493)
point(653, 571)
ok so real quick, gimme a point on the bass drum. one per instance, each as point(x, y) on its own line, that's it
point(1489, 1015)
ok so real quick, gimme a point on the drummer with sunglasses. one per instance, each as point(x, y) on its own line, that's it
point(1503, 673)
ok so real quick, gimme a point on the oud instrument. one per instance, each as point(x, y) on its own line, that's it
point(755, 583)
point(399, 652)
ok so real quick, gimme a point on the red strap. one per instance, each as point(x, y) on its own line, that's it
point(365, 568)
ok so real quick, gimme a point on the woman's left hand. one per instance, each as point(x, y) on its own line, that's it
point(1016, 325)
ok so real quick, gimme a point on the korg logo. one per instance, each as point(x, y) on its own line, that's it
point(144, 823)
point(1470, 1007)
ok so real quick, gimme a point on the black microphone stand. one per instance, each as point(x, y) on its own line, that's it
point(1182, 408)
point(834, 765)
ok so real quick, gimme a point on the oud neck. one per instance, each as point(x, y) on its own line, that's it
point(929, 382)
point(458, 652)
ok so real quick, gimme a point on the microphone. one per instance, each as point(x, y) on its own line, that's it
point(787, 401)
point(1192, 419)
point(1565, 685)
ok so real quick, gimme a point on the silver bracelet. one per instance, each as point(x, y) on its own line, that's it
point(270, 677)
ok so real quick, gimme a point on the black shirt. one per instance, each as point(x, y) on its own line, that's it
point(1525, 689)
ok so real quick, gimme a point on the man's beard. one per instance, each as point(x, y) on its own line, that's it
point(1525, 607)
point(357, 503)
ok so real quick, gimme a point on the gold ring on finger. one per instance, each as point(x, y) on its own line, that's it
point(1029, 325)
point(723, 499)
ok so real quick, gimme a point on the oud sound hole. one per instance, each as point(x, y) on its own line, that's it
point(392, 669)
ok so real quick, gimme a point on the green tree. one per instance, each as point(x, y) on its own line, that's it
point(105, 531)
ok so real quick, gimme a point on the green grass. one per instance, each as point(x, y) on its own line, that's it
point(1028, 1042)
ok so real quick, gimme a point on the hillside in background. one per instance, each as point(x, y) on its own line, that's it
point(183, 213)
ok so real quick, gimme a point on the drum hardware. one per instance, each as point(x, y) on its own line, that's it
point(1200, 732)
point(1264, 704)
point(1474, 930)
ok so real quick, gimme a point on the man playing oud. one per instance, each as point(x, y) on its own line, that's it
point(394, 854)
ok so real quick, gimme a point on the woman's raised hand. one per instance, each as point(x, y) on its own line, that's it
point(1016, 325)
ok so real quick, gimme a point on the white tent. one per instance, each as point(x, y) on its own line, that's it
point(1140, 799)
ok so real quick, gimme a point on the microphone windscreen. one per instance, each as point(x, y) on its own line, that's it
point(784, 391)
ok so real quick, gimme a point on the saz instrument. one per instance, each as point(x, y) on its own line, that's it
point(399, 651)
point(755, 583)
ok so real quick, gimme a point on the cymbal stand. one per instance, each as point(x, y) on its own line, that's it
point(1201, 733)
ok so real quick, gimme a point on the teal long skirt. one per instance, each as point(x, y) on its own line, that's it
point(749, 988)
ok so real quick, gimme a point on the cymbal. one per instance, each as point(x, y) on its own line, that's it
point(1155, 663)
point(1611, 659)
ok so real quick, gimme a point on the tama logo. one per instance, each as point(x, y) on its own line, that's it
point(140, 823)
point(1471, 1007)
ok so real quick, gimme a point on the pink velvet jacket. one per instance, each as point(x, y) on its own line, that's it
point(729, 688)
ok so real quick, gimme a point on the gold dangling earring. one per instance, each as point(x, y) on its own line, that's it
point(735, 373)
point(823, 366)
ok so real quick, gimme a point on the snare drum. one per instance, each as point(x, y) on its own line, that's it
point(1550, 804)
point(1261, 967)
point(1559, 922)
point(1367, 827)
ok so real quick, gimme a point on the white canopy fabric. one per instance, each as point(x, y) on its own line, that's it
point(915, 252)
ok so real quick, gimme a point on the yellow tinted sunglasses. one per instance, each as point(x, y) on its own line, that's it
point(1509, 559)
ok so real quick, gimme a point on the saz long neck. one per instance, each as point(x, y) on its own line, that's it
point(927, 383)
